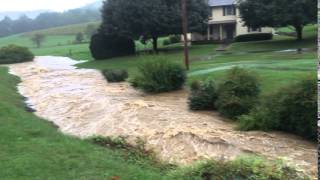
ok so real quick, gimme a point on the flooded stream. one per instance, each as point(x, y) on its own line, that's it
point(81, 103)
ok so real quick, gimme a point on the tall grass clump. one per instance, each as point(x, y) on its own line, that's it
point(238, 93)
point(203, 95)
point(159, 75)
point(292, 109)
point(15, 54)
point(243, 168)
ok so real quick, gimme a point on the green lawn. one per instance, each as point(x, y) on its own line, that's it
point(273, 67)
point(263, 57)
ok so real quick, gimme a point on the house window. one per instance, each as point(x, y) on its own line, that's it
point(229, 10)
point(250, 29)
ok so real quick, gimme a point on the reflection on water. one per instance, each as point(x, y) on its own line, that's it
point(80, 102)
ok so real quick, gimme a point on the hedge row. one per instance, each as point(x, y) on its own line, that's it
point(292, 109)
point(254, 37)
point(15, 54)
point(235, 96)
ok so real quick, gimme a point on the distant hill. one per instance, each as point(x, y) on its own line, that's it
point(16, 14)
point(94, 5)
point(64, 30)
point(45, 20)
point(33, 14)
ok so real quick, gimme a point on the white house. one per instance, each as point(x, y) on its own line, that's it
point(225, 23)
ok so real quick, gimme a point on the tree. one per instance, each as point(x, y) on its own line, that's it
point(107, 46)
point(79, 37)
point(22, 24)
point(5, 27)
point(151, 18)
point(279, 13)
point(38, 39)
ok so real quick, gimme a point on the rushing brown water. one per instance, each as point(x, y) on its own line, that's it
point(81, 103)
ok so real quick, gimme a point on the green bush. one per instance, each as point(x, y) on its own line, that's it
point(203, 42)
point(15, 54)
point(292, 109)
point(109, 46)
point(115, 75)
point(254, 37)
point(242, 168)
point(238, 93)
point(203, 95)
point(159, 75)
point(166, 42)
point(174, 39)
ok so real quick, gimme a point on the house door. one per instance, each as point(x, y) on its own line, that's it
point(230, 31)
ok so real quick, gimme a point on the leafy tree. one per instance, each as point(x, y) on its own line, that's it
point(151, 18)
point(79, 37)
point(38, 39)
point(21, 24)
point(5, 26)
point(278, 13)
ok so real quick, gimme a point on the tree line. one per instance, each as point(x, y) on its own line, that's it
point(47, 20)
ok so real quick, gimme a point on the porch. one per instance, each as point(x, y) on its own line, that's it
point(221, 32)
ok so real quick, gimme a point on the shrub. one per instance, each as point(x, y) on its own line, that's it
point(79, 38)
point(159, 75)
point(203, 42)
point(109, 46)
point(254, 37)
point(203, 95)
point(238, 93)
point(174, 39)
point(292, 109)
point(166, 42)
point(115, 75)
point(242, 168)
point(15, 54)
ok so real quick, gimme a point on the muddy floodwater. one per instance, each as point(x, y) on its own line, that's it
point(81, 103)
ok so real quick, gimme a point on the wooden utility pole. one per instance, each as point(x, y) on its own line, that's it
point(185, 31)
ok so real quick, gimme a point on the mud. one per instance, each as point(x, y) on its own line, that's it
point(81, 103)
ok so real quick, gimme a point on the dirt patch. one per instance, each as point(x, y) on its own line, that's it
point(80, 102)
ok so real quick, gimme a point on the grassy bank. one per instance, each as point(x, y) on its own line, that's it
point(32, 148)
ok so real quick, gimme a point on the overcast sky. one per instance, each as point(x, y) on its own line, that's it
point(29, 5)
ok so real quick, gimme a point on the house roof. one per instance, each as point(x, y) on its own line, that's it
point(213, 3)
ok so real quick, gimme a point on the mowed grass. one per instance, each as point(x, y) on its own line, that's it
point(280, 42)
point(274, 65)
point(32, 148)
